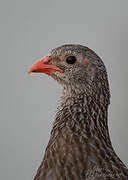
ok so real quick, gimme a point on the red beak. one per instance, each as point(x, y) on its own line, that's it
point(42, 66)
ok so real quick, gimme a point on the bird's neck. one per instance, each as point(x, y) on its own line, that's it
point(84, 116)
point(81, 126)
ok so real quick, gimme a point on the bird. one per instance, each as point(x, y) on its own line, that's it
point(79, 147)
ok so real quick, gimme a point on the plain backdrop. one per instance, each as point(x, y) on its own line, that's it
point(28, 31)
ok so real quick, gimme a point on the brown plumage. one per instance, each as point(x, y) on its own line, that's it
point(79, 147)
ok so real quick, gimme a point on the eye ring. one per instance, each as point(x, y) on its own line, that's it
point(71, 59)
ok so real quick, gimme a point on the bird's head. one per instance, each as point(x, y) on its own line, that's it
point(75, 67)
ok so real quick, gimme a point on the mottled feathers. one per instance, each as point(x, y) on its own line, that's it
point(80, 147)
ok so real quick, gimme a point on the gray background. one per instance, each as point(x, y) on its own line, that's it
point(28, 30)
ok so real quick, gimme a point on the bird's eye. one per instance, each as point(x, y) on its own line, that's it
point(71, 59)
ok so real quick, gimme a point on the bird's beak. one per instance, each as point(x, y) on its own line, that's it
point(42, 66)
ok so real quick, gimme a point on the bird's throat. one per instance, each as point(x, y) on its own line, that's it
point(81, 125)
point(84, 117)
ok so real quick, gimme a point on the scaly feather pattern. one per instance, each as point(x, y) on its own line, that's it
point(80, 147)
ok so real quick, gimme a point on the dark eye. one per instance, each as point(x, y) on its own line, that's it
point(71, 59)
